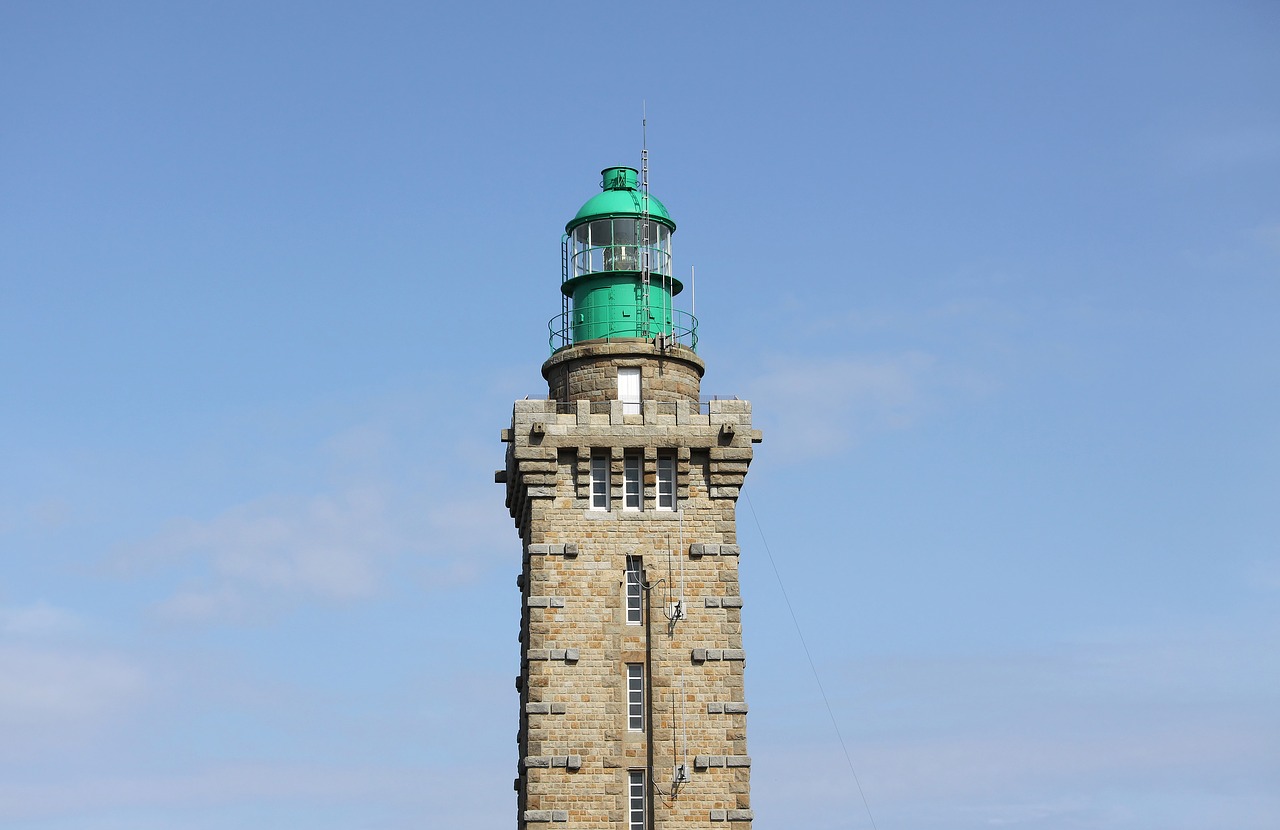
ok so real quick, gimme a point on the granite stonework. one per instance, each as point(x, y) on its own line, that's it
point(575, 747)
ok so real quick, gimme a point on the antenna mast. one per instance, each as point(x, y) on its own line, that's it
point(644, 222)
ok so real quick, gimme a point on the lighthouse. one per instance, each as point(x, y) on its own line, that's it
point(623, 485)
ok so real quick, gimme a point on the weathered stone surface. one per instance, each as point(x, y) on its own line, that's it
point(574, 741)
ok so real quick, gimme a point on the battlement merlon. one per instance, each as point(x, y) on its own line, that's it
point(541, 429)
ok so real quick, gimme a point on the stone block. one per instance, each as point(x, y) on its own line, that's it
point(740, 815)
point(716, 815)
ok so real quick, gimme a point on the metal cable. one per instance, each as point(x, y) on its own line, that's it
point(812, 666)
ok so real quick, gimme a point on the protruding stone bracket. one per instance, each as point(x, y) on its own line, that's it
point(545, 708)
point(701, 549)
point(545, 602)
point(729, 815)
point(569, 762)
point(727, 707)
point(723, 602)
point(708, 655)
point(708, 761)
point(546, 815)
point(569, 550)
point(568, 655)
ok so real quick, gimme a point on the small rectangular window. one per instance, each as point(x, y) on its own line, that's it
point(599, 481)
point(635, 800)
point(635, 697)
point(629, 389)
point(666, 481)
point(634, 591)
point(631, 481)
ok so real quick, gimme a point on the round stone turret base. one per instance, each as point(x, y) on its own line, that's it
point(589, 371)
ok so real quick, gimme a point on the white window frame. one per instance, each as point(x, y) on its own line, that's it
point(635, 697)
point(632, 481)
point(666, 489)
point(600, 480)
point(636, 800)
point(629, 389)
point(635, 591)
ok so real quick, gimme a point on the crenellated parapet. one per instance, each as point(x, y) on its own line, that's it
point(543, 431)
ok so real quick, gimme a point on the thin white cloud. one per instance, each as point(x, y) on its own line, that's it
point(1032, 739)
point(824, 407)
point(42, 687)
point(451, 795)
point(261, 557)
point(39, 619)
point(1264, 575)
point(324, 546)
point(1268, 236)
point(1219, 148)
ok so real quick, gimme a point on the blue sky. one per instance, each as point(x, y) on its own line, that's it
point(1001, 279)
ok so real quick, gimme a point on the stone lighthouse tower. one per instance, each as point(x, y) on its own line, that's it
point(622, 485)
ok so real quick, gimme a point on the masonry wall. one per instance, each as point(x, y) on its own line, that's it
point(575, 747)
point(590, 371)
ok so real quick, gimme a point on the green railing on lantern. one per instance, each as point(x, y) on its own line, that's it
point(618, 322)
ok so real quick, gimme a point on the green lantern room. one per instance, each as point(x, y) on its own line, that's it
point(616, 269)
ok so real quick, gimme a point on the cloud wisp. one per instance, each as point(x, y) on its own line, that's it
point(818, 407)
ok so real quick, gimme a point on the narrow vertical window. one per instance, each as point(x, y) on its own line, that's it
point(633, 591)
point(635, 800)
point(635, 697)
point(666, 481)
point(631, 481)
point(599, 481)
point(629, 390)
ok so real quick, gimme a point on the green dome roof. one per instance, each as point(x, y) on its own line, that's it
point(621, 197)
